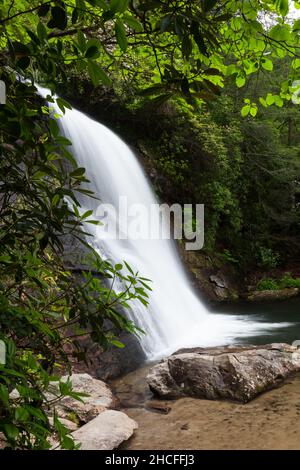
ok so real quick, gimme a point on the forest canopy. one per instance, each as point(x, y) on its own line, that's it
point(173, 46)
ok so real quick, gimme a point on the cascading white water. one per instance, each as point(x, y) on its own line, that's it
point(176, 317)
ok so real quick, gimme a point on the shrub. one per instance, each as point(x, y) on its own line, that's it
point(267, 284)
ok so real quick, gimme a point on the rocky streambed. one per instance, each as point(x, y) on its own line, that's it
point(269, 421)
point(201, 398)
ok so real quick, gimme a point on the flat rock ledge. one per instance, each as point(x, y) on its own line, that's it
point(265, 295)
point(237, 373)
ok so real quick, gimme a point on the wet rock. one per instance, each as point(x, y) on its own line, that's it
point(237, 373)
point(106, 432)
point(221, 287)
point(218, 281)
point(114, 362)
point(221, 293)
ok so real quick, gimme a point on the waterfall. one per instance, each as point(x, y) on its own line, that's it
point(176, 317)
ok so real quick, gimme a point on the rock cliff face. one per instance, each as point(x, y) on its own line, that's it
point(237, 373)
point(216, 282)
point(114, 362)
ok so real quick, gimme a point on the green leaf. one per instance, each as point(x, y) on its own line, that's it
point(165, 23)
point(4, 395)
point(99, 3)
point(65, 387)
point(240, 81)
point(280, 33)
point(118, 267)
point(253, 111)
point(55, 200)
point(263, 102)
point(75, 16)
point(117, 343)
point(41, 31)
point(245, 110)
point(118, 6)
point(133, 23)
point(270, 99)
point(36, 412)
point(81, 41)
point(278, 101)
point(62, 105)
point(92, 52)
point(94, 42)
point(143, 301)
point(129, 267)
point(187, 46)
point(267, 64)
point(67, 443)
point(198, 38)
point(78, 172)
point(21, 414)
point(296, 26)
point(97, 74)
point(208, 5)
point(282, 7)
point(11, 431)
point(54, 129)
point(296, 64)
point(231, 70)
point(121, 35)
point(87, 214)
point(59, 18)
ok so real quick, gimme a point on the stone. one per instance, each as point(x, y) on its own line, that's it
point(218, 281)
point(2, 441)
point(158, 406)
point(98, 400)
point(237, 373)
point(220, 287)
point(221, 293)
point(106, 432)
point(71, 425)
point(281, 294)
point(114, 362)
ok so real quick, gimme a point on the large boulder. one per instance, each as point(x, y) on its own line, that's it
point(236, 373)
point(99, 398)
point(106, 432)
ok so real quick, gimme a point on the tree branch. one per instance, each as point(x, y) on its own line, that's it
point(30, 10)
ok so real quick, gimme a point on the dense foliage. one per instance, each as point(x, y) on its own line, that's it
point(245, 171)
point(43, 307)
point(151, 52)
